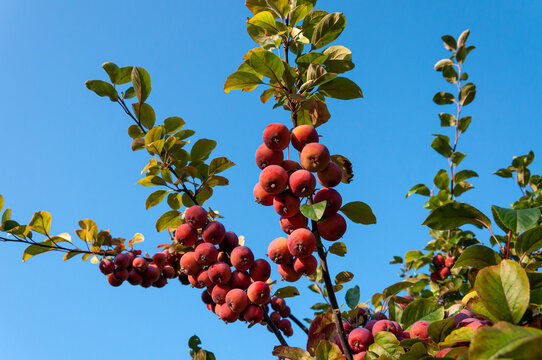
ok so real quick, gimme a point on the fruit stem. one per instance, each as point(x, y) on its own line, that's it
point(299, 323)
point(337, 318)
point(274, 328)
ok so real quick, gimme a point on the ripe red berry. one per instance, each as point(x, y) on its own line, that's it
point(214, 232)
point(289, 224)
point(286, 204)
point(333, 200)
point(438, 261)
point(332, 227)
point(287, 273)
point(290, 166)
point(303, 134)
point(262, 197)
point(140, 264)
point(113, 280)
point(265, 156)
point(205, 254)
point(219, 293)
point(242, 258)
point(258, 292)
point(230, 242)
point(276, 136)
point(186, 235)
point(314, 157)
point(122, 261)
point(449, 262)
point(278, 251)
point(301, 243)
point(360, 339)
point(302, 183)
point(306, 265)
point(330, 176)
point(240, 280)
point(253, 314)
point(107, 266)
point(189, 264)
point(195, 216)
point(260, 270)
point(273, 179)
point(237, 300)
point(219, 272)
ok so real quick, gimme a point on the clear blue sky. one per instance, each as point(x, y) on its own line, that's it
point(66, 151)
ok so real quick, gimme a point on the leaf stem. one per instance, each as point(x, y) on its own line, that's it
point(299, 323)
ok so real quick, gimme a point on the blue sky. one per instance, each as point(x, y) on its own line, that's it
point(66, 151)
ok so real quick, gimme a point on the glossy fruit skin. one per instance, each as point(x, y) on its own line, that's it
point(230, 242)
point(219, 293)
point(449, 262)
point(333, 200)
point(258, 293)
point(202, 278)
point(278, 251)
point(186, 235)
point(360, 339)
point(297, 221)
point(438, 261)
point(113, 280)
point(107, 266)
point(214, 232)
point(382, 325)
point(134, 277)
point(284, 324)
point(260, 270)
point(168, 272)
point(273, 179)
point(122, 261)
point(227, 315)
point(277, 303)
point(302, 135)
point(276, 136)
point(195, 216)
point(159, 259)
point(331, 176)
point(444, 272)
point(332, 227)
point(265, 156)
point(301, 243)
point(314, 157)
point(290, 166)
point(286, 204)
point(302, 183)
point(242, 258)
point(262, 197)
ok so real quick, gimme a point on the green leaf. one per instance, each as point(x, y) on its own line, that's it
point(338, 248)
point(455, 214)
point(504, 290)
point(130, 93)
point(478, 257)
point(504, 173)
point(1, 202)
point(41, 222)
point(346, 168)
point(141, 81)
point(256, 6)
point(343, 277)
point(443, 98)
point(464, 175)
point(446, 119)
point(328, 29)
point(102, 88)
point(134, 131)
point(462, 39)
point(464, 123)
point(145, 114)
point(516, 220)
point(311, 21)
point(202, 149)
point(341, 88)
point(286, 292)
point(173, 124)
point(419, 189)
point(413, 255)
point(298, 13)
point(450, 74)
point(291, 352)
point(220, 164)
point(155, 198)
point(467, 94)
point(438, 330)
point(217, 181)
point(457, 157)
point(36, 249)
point(387, 346)
point(327, 350)
point(441, 144)
point(112, 71)
point(506, 341)
point(339, 59)
point(441, 179)
point(395, 289)
point(167, 219)
point(449, 42)
point(315, 211)
point(241, 81)
point(267, 63)
point(422, 309)
point(204, 195)
point(359, 212)
point(152, 180)
point(442, 63)
point(529, 241)
point(352, 297)
point(282, 7)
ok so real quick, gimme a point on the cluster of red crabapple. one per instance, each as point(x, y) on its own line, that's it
point(442, 266)
point(232, 295)
point(283, 183)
